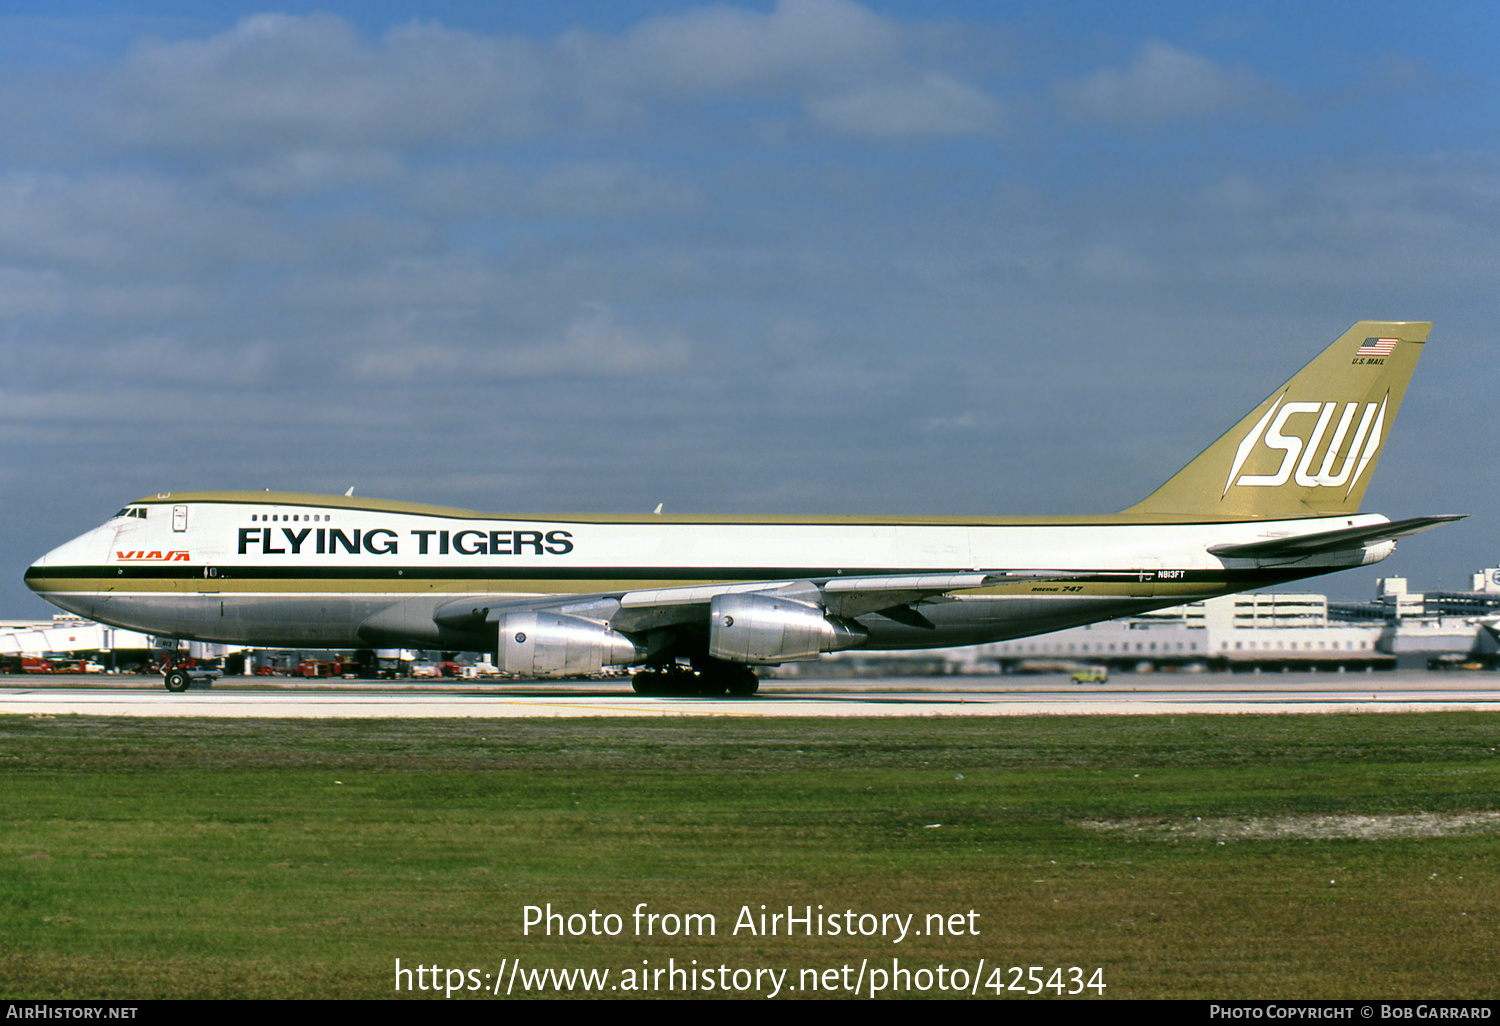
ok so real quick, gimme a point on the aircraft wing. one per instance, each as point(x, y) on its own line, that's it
point(1297, 546)
point(892, 595)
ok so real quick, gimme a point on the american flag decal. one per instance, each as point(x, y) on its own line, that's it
point(1377, 347)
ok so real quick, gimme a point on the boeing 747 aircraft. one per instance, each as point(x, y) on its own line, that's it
point(1275, 499)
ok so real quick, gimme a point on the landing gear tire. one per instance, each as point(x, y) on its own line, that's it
point(659, 681)
point(744, 684)
point(719, 677)
point(177, 681)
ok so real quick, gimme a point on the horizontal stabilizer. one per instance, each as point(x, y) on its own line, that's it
point(1300, 545)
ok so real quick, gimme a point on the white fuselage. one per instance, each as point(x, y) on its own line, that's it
point(299, 573)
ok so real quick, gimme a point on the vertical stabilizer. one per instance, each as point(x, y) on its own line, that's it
point(1310, 448)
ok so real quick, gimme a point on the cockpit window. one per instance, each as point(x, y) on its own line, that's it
point(132, 511)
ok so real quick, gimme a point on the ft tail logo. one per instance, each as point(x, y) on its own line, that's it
point(1308, 441)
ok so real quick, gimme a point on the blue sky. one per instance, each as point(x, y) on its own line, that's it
point(807, 256)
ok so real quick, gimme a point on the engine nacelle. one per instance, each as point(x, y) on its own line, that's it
point(770, 629)
point(541, 644)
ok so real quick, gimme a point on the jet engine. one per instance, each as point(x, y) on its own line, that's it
point(542, 644)
point(771, 629)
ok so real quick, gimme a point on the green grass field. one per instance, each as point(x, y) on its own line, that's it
point(1186, 856)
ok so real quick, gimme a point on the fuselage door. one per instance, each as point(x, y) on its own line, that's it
point(1147, 565)
point(179, 518)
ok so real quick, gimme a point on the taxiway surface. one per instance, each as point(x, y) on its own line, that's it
point(1128, 694)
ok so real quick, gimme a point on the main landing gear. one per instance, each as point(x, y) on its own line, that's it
point(708, 677)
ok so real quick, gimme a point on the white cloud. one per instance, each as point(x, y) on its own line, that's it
point(929, 105)
point(284, 93)
point(283, 82)
point(846, 65)
point(728, 50)
point(594, 344)
point(1106, 261)
point(608, 191)
point(954, 423)
point(122, 220)
point(291, 173)
point(26, 292)
point(1162, 84)
point(165, 360)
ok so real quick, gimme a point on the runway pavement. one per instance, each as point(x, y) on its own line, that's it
point(1128, 694)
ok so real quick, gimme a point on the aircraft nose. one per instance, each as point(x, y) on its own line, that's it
point(77, 558)
point(36, 573)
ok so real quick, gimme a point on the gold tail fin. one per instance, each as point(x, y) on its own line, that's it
point(1310, 448)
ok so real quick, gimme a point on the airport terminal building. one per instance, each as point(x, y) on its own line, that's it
point(1231, 632)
